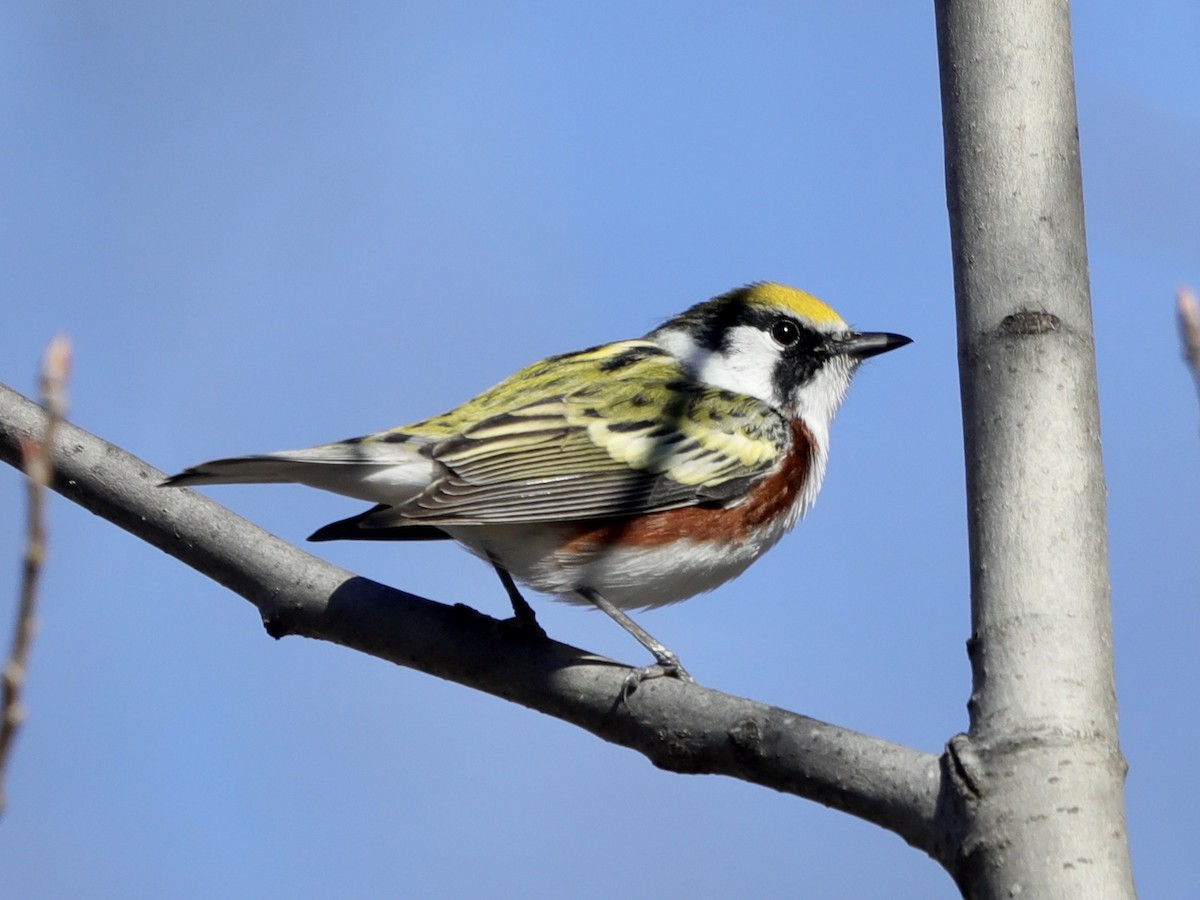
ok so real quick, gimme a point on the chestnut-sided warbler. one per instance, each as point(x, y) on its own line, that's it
point(628, 475)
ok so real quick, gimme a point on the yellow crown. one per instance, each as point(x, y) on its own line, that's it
point(767, 293)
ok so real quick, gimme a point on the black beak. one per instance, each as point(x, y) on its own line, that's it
point(870, 343)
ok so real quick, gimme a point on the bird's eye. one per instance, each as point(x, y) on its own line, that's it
point(785, 332)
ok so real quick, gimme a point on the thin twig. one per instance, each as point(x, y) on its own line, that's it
point(38, 463)
point(1189, 328)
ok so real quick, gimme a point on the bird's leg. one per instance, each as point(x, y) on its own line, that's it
point(523, 615)
point(666, 662)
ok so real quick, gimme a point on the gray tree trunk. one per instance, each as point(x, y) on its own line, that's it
point(1040, 773)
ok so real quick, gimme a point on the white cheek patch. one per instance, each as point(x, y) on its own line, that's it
point(745, 365)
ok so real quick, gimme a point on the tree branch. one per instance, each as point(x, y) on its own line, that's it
point(1189, 330)
point(1041, 768)
point(37, 460)
point(679, 727)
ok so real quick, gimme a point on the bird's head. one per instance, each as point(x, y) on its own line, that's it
point(776, 343)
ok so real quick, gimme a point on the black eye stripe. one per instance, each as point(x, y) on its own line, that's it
point(802, 352)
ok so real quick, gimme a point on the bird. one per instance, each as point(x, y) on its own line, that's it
point(626, 476)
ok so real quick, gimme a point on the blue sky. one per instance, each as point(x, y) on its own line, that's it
point(272, 225)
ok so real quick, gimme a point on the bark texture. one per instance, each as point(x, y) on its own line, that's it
point(1040, 774)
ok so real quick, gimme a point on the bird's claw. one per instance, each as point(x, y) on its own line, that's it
point(522, 628)
point(668, 667)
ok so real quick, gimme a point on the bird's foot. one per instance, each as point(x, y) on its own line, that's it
point(524, 621)
point(522, 627)
point(667, 666)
